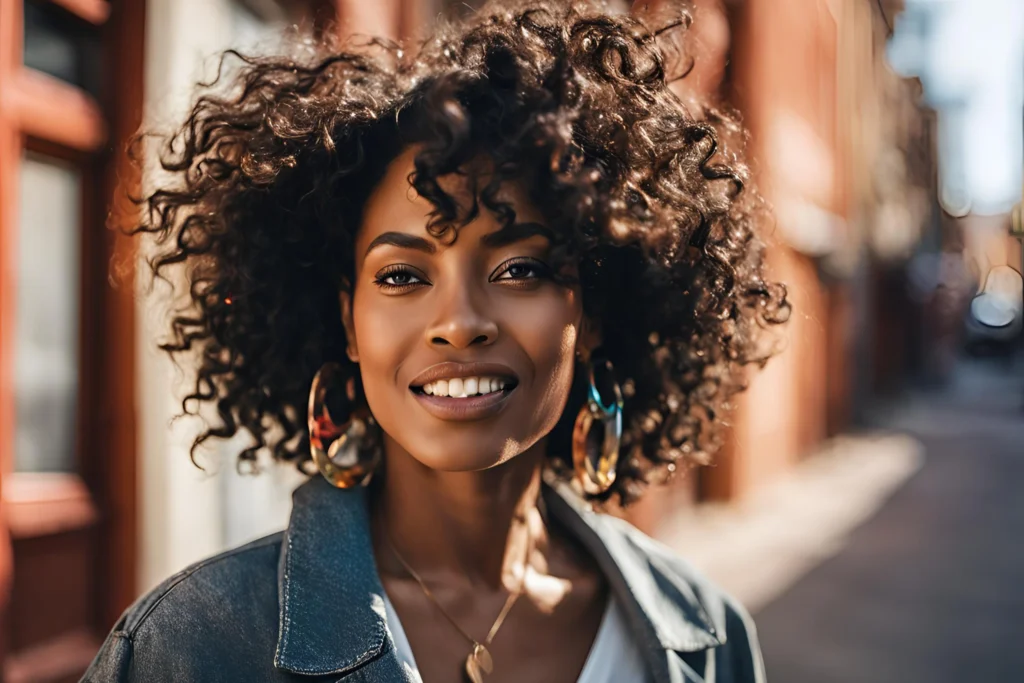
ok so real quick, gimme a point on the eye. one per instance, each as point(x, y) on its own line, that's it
point(397, 277)
point(521, 269)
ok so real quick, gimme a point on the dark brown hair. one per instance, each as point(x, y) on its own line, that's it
point(270, 173)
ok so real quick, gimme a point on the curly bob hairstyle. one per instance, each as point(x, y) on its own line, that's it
point(269, 175)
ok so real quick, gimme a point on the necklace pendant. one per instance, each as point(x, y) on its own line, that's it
point(478, 663)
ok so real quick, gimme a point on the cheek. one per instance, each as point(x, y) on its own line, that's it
point(550, 342)
point(560, 372)
point(384, 338)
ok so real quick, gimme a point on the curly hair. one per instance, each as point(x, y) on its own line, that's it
point(269, 175)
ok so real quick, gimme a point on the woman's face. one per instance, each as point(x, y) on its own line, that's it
point(466, 350)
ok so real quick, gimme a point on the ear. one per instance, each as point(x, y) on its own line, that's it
point(345, 298)
point(589, 338)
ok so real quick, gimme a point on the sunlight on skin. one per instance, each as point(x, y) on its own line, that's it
point(546, 591)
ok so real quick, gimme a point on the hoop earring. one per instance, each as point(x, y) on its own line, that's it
point(345, 454)
point(594, 464)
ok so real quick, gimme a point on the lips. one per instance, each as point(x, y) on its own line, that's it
point(450, 371)
point(464, 391)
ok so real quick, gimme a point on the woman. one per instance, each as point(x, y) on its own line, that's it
point(501, 280)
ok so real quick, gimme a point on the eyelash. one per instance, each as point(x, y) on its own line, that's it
point(391, 271)
point(539, 269)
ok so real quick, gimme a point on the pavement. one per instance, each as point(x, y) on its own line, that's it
point(929, 585)
point(789, 527)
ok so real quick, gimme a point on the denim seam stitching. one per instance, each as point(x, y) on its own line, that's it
point(286, 621)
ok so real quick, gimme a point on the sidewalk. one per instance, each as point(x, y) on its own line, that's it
point(758, 548)
point(931, 588)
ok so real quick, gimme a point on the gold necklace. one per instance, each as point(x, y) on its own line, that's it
point(479, 662)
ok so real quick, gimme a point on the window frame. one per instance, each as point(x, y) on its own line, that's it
point(44, 115)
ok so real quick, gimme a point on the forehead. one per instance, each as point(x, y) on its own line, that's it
point(394, 206)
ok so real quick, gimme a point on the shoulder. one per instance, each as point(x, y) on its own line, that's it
point(217, 580)
point(738, 654)
point(225, 603)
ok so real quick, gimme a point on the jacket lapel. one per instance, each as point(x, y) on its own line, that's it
point(331, 598)
point(670, 621)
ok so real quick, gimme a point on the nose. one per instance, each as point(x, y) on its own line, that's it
point(461, 321)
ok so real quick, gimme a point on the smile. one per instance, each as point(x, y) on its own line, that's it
point(464, 391)
point(463, 387)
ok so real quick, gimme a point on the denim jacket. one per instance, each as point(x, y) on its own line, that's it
point(306, 606)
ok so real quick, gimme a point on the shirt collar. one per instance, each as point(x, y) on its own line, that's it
point(332, 615)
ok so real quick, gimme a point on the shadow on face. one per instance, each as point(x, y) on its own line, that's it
point(465, 347)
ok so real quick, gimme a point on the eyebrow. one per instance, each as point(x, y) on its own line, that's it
point(510, 234)
point(401, 239)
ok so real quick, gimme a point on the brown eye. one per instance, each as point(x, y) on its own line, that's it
point(397, 278)
point(521, 269)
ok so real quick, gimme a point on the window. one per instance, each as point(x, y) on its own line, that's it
point(61, 45)
point(47, 323)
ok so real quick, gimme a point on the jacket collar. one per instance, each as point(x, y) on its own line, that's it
point(332, 616)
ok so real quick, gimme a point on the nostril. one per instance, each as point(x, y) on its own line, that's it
point(441, 341)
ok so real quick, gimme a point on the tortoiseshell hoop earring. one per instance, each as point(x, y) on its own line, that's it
point(345, 454)
point(596, 435)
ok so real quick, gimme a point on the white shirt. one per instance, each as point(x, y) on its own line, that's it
point(614, 657)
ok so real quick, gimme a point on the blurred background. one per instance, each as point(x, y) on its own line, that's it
point(868, 505)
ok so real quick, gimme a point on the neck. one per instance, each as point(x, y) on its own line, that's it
point(467, 526)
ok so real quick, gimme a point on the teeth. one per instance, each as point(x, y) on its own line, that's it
point(461, 387)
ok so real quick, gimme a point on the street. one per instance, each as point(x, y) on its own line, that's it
point(931, 589)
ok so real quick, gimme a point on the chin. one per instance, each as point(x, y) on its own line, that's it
point(465, 455)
